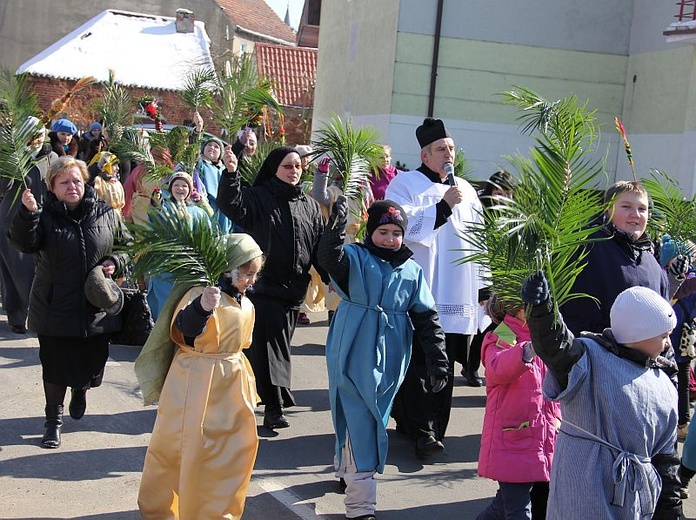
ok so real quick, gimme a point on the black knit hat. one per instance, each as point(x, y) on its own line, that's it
point(270, 165)
point(430, 131)
point(385, 212)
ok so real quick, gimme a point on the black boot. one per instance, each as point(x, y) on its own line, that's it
point(52, 426)
point(78, 403)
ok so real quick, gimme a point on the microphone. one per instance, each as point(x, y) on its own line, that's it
point(449, 170)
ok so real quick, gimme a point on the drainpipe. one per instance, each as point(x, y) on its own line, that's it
point(436, 57)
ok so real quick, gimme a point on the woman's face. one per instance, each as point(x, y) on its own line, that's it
point(386, 156)
point(212, 151)
point(180, 190)
point(629, 213)
point(64, 137)
point(244, 277)
point(290, 169)
point(69, 187)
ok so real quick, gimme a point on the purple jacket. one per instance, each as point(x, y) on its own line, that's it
point(379, 185)
point(519, 426)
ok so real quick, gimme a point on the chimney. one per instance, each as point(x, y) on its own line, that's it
point(184, 21)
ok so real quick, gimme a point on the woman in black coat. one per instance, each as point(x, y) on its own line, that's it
point(287, 224)
point(70, 235)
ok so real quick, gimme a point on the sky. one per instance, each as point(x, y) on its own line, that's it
point(280, 6)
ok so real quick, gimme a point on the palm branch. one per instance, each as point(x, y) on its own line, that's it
point(250, 166)
point(188, 249)
point(353, 151)
point(673, 213)
point(61, 103)
point(199, 87)
point(17, 104)
point(115, 109)
point(462, 168)
point(550, 220)
point(182, 150)
point(240, 95)
point(135, 147)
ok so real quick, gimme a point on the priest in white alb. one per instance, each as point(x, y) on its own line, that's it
point(439, 209)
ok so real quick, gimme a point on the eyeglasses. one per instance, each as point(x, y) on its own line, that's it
point(295, 166)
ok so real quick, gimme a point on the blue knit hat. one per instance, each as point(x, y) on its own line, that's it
point(64, 125)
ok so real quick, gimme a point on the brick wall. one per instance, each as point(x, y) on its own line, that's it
point(82, 108)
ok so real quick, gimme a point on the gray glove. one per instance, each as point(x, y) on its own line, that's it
point(535, 289)
point(438, 383)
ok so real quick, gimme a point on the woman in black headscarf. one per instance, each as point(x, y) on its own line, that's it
point(287, 224)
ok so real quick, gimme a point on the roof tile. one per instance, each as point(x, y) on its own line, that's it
point(257, 16)
point(293, 70)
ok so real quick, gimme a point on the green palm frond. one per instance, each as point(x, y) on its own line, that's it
point(240, 95)
point(17, 103)
point(199, 87)
point(135, 147)
point(183, 151)
point(115, 109)
point(249, 167)
point(462, 168)
point(553, 213)
point(173, 243)
point(674, 214)
point(536, 111)
point(353, 151)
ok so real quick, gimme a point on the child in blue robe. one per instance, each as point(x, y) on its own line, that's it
point(385, 300)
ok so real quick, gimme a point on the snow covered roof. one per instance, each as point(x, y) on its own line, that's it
point(143, 50)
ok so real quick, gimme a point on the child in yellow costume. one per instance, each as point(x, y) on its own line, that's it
point(204, 442)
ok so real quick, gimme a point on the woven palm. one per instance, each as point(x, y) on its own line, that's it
point(549, 221)
point(173, 243)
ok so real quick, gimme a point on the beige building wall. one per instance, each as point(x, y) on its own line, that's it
point(592, 50)
point(357, 57)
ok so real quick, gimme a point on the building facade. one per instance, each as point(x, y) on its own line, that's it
point(390, 63)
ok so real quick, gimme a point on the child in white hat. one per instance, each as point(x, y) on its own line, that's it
point(616, 451)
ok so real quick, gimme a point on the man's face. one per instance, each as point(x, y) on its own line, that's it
point(437, 153)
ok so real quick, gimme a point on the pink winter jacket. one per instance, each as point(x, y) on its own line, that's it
point(519, 426)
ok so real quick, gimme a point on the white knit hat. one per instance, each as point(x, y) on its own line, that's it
point(640, 313)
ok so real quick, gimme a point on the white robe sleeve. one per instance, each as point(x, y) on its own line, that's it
point(421, 213)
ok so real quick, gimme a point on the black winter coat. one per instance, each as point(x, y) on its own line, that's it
point(68, 245)
point(613, 265)
point(287, 225)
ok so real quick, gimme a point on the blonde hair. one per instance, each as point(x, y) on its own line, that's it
point(63, 164)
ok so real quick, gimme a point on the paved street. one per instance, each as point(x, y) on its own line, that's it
point(96, 472)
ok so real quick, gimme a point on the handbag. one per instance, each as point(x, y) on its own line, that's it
point(136, 317)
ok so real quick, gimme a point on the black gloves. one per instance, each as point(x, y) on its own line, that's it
point(438, 383)
point(535, 289)
point(340, 208)
point(678, 266)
